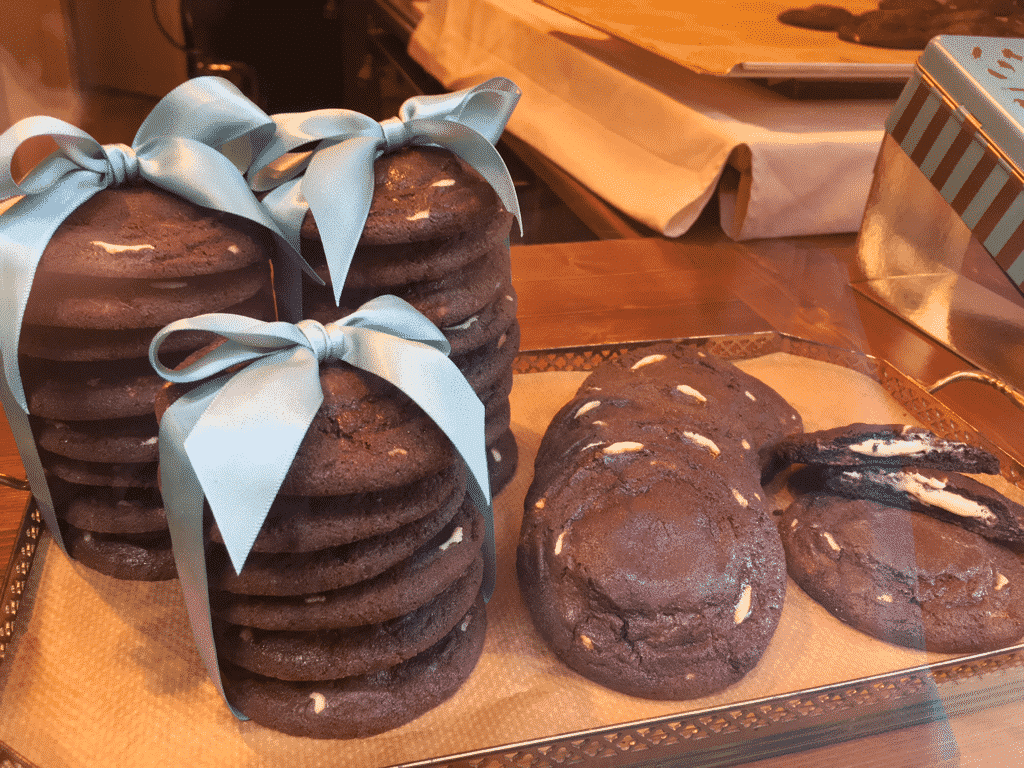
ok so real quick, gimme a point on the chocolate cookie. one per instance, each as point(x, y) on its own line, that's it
point(117, 440)
point(949, 496)
point(91, 391)
point(142, 231)
point(133, 557)
point(329, 654)
point(309, 523)
point(300, 573)
point(903, 577)
point(883, 445)
point(688, 378)
point(648, 570)
point(389, 265)
point(818, 16)
point(502, 461)
point(105, 509)
point(398, 590)
point(425, 193)
point(363, 705)
point(75, 301)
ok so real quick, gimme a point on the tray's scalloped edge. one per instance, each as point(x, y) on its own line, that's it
point(734, 733)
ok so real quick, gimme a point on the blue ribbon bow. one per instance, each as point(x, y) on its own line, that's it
point(195, 143)
point(232, 439)
point(335, 179)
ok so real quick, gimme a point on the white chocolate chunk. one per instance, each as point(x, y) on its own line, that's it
point(885, 598)
point(419, 215)
point(647, 361)
point(540, 503)
point(739, 497)
point(233, 248)
point(794, 524)
point(115, 248)
point(586, 408)
point(496, 455)
point(310, 599)
point(559, 542)
point(833, 545)
point(591, 445)
point(691, 392)
point(168, 285)
point(745, 444)
point(1001, 581)
point(151, 441)
point(625, 446)
point(463, 325)
point(599, 423)
point(398, 452)
point(704, 442)
point(319, 702)
point(743, 607)
point(587, 642)
point(750, 395)
point(443, 183)
point(878, 447)
point(455, 538)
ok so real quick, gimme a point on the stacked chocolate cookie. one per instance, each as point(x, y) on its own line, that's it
point(890, 537)
point(359, 606)
point(120, 267)
point(647, 556)
point(438, 236)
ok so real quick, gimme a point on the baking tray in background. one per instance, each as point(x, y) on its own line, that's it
point(744, 730)
point(741, 38)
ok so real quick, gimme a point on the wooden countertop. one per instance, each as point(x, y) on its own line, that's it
point(704, 284)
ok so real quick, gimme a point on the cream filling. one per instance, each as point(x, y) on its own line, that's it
point(931, 491)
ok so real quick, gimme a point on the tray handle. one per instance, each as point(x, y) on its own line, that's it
point(1014, 395)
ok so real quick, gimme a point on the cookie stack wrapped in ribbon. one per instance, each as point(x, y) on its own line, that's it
point(647, 556)
point(890, 533)
point(360, 510)
point(144, 235)
point(432, 227)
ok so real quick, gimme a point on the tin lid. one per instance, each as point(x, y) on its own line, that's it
point(985, 76)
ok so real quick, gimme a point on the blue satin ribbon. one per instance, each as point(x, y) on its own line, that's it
point(231, 440)
point(334, 179)
point(196, 143)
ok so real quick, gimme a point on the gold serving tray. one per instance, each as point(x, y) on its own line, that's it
point(751, 727)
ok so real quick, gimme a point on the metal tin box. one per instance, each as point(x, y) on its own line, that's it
point(948, 194)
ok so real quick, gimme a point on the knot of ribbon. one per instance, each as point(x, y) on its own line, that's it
point(190, 144)
point(231, 439)
point(316, 154)
point(123, 165)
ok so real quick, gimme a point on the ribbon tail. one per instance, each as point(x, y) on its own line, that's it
point(183, 501)
point(340, 213)
point(437, 386)
point(248, 437)
point(479, 153)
